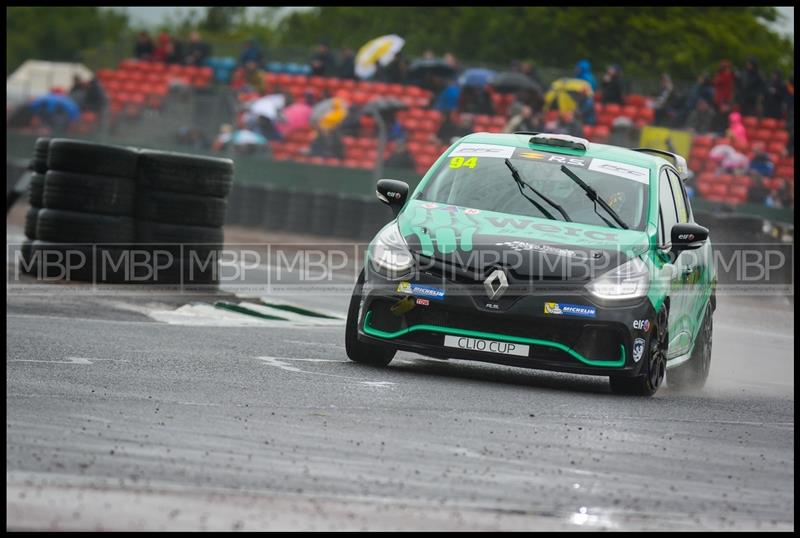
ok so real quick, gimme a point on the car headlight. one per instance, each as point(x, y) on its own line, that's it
point(390, 255)
point(630, 280)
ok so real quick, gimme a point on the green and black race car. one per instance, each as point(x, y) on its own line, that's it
point(542, 251)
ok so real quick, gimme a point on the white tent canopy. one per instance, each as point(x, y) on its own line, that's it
point(35, 78)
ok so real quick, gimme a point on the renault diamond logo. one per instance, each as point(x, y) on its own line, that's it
point(496, 284)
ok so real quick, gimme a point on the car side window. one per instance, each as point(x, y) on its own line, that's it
point(666, 202)
point(678, 194)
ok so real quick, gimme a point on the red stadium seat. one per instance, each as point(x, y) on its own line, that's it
point(613, 108)
point(742, 180)
point(601, 132)
point(768, 123)
point(703, 140)
point(635, 100)
point(646, 114)
point(704, 188)
point(750, 121)
point(738, 191)
point(763, 134)
point(720, 189)
point(780, 136)
point(724, 178)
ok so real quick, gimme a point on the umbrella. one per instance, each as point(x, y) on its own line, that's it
point(268, 106)
point(509, 82)
point(242, 137)
point(476, 77)
point(329, 113)
point(383, 104)
point(380, 50)
point(53, 101)
point(565, 93)
point(295, 116)
point(420, 68)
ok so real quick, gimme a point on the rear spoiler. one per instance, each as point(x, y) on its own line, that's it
point(673, 158)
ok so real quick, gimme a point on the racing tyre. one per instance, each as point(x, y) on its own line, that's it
point(39, 161)
point(182, 209)
point(692, 374)
point(36, 190)
point(30, 222)
point(654, 369)
point(88, 158)
point(104, 195)
point(189, 174)
point(360, 352)
point(75, 227)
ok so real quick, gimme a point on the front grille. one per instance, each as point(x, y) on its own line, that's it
point(565, 331)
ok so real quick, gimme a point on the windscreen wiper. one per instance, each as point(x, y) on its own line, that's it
point(520, 183)
point(596, 198)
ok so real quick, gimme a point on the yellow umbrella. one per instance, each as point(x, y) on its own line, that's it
point(380, 50)
point(334, 116)
point(565, 92)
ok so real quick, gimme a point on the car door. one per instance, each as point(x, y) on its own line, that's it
point(679, 334)
point(693, 262)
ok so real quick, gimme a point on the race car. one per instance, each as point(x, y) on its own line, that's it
point(542, 251)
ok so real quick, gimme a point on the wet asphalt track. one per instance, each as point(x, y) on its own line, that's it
point(118, 421)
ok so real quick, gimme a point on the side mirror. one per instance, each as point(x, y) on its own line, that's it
point(392, 193)
point(687, 236)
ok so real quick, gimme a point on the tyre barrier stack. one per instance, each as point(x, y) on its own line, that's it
point(130, 215)
point(346, 216)
point(38, 167)
point(180, 211)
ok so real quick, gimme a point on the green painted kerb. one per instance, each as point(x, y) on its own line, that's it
point(492, 336)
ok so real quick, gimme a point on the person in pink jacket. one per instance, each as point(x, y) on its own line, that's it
point(736, 129)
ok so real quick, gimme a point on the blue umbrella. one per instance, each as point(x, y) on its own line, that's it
point(477, 76)
point(53, 101)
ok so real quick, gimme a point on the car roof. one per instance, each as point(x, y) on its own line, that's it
point(602, 151)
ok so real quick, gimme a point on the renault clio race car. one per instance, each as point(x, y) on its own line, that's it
point(542, 251)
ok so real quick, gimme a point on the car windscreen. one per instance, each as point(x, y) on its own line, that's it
point(475, 176)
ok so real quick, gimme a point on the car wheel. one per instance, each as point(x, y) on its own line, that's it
point(692, 374)
point(360, 352)
point(654, 369)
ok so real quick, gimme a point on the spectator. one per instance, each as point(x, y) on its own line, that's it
point(428, 55)
point(736, 130)
point(198, 51)
point(701, 90)
point(611, 85)
point(178, 52)
point(78, 91)
point(723, 84)
point(522, 121)
point(663, 104)
point(253, 78)
point(583, 70)
point(451, 60)
point(327, 143)
point(529, 70)
point(752, 89)
point(776, 96)
point(719, 125)
point(454, 127)
point(761, 163)
point(251, 53)
point(194, 138)
point(347, 66)
point(475, 101)
point(701, 119)
point(397, 71)
point(143, 49)
point(778, 194)
point(165, 49)
point(296, 116)
point(400, 157)
point(734, 163)
point(570, 124)
point(96, 97)
point(585, 109)
point(448, 94)
point(758, 191)
point(322, 62)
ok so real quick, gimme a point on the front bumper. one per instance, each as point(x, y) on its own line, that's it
point(596, 344)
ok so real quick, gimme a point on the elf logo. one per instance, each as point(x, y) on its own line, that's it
point(642, 325)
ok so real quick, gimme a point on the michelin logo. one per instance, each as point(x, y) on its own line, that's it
point(419, 290)
point(638, 349)
point(563, 309)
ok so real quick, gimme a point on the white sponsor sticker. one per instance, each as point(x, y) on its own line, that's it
point(483, 150)
point(628, 171)
point(488, 346)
